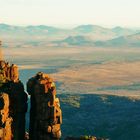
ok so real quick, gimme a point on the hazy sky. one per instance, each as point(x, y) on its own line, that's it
point(71, 12)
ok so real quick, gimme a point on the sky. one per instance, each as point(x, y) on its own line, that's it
point(124, 13)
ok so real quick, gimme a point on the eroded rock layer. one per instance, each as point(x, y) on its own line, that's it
point(45, 113)
point(13, 103)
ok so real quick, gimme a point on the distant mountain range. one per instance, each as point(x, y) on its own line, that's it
point(28, 31)
point(92, 35)
point(122, 41)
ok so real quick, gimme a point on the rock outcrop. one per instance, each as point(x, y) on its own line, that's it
point(45, 113)
point(13, 103)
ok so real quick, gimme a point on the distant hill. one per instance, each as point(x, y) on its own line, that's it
point(43, 35)
point(119, 31)
point(77, 40)
point(26, 31)
point(91, 29)
point(95, 31)
point(123, 41)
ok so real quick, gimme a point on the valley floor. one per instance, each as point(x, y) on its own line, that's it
point(85, 70)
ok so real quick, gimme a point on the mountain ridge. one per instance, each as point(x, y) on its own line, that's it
point(79, 29)
point(83, 35)
point(130, 40)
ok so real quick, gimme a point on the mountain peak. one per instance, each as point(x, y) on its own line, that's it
point(118, 28)
point(88, 26)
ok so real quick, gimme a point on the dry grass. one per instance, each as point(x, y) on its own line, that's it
point(88, 70)
point(91, 78)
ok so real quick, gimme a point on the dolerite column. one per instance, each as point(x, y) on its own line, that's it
point(13, 102)
point(18, 107)
point(5, 119)
point(46, 115)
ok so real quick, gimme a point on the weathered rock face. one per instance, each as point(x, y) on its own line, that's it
point(13, 103)
point(45, 113)
point(6, 120)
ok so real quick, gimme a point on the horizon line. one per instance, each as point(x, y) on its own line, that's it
point(70, 25)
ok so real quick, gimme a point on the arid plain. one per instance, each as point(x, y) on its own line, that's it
point(85, 70)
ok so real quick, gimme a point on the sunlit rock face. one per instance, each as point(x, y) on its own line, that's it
point(5, 119)
point(13, 103)
point(45, 113)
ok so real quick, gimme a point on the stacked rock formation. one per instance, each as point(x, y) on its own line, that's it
point(13, 103)
point(45, 113)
